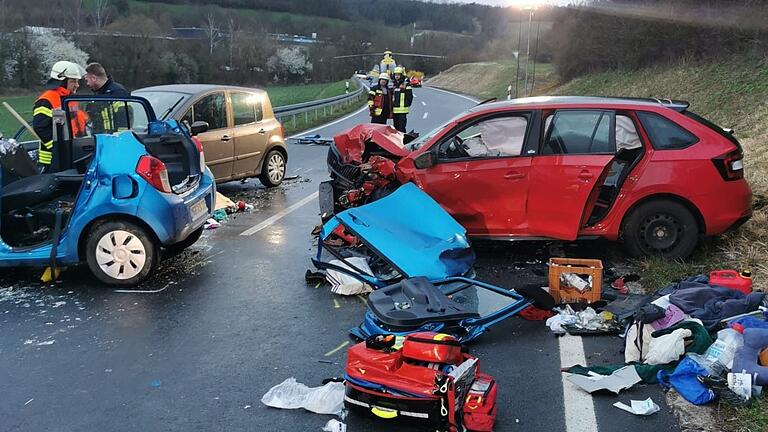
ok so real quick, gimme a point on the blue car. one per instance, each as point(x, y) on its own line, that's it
point(122, 188)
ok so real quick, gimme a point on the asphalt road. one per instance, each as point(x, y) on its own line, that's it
point(233, 316)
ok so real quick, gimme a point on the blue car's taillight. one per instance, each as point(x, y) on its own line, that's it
point(153, 170)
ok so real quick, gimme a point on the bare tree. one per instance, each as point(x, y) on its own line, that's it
point(212, 30)
point(100, 13)
point(76, 13)
point(232, 27)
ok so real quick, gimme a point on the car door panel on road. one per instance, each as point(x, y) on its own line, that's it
point(481, 177)
point(218, 141)
point(250, 132)
point(577, 147)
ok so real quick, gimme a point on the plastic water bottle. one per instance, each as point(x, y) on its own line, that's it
point(723, 350)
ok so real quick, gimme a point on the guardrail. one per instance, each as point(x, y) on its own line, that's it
point(326, 105)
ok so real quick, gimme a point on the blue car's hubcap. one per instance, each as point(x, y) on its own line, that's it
point(121, 255)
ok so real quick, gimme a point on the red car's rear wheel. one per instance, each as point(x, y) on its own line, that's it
point(661, 227)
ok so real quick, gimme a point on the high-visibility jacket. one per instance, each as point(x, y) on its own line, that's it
point(402, 97)
point(379, 102)
point(42, 121)
point(110, 116)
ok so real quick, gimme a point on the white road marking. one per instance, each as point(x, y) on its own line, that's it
point(281, 214)
point(426, 114)
point(423, 103)
point(579, 407)
point(455, 94)
point(305, 133)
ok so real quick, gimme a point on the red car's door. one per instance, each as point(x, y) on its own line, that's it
point(480, 177)
point(577, 147)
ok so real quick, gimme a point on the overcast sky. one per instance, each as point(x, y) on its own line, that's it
point(516, 2)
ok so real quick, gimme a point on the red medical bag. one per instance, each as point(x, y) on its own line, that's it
point(432, 387)
point(432, 347)
point(480, 404)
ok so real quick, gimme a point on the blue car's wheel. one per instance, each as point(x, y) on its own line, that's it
point(121, 253)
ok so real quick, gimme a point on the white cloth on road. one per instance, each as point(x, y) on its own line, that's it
point(289, 394)
point(667, 348)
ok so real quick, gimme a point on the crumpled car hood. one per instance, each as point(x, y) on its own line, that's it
point(412, 232)
point(351, 143)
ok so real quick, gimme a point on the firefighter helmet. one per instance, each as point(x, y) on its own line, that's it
point(62, 70)
point(400, 70)
point(384, 76)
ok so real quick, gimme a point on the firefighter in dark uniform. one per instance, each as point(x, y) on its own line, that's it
point(104, 116)
point(64, 81)
point(380, 100)
point(402, 97)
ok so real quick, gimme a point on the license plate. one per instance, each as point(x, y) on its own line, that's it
point(198, 210)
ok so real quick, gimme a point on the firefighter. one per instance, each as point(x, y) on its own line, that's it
point(402, 97)
point(64, 81)
point(106, 116)
point(380, 100)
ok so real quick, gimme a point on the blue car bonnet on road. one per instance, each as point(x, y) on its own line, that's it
point(412, 232)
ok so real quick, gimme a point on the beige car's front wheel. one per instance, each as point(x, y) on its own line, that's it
point(273, 171)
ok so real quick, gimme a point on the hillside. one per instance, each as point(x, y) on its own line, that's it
point(490, 79)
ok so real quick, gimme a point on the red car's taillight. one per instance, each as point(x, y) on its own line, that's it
point(730, 165)
point(199, 145)
point(153, 170)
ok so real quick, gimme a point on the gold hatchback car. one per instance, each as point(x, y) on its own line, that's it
point(240, 135)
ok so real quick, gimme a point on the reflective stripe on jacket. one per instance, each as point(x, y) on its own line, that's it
point(403, 97)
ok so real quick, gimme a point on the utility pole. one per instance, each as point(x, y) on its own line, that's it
point(536, 51)
point(528, 52)
point(519, 36)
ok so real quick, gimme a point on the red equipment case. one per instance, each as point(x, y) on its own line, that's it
point(389, 384)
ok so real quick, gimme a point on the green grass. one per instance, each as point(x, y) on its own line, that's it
point(289, 95)
point(23, 105)
point(279, 95)
point(490, 79)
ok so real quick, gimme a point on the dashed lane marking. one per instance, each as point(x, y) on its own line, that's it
point(426, 114)
point(579, 407)
point(281, 214)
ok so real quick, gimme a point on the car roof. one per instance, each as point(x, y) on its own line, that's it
point(192, 89)
point(597, 101)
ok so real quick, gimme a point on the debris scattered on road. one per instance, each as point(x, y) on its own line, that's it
point(156, 383)
point(44, 343)
point(220, 215)
point(211, 224)
point(643, 407)
point(28, 402)
point(619, 380)
point(290, 394)
point(334, 425)
point(342, 283)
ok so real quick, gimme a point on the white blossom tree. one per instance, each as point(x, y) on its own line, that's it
point(52, 47)
point(289, 63)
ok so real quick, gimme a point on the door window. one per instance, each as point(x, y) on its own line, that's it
point(491, 138)
point(106, 116)
point(579, 132)
point(211, 109)
point(246, 108)
point(665, 134)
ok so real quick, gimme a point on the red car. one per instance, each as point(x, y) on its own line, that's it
point(415, 81)
point(647, 172)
